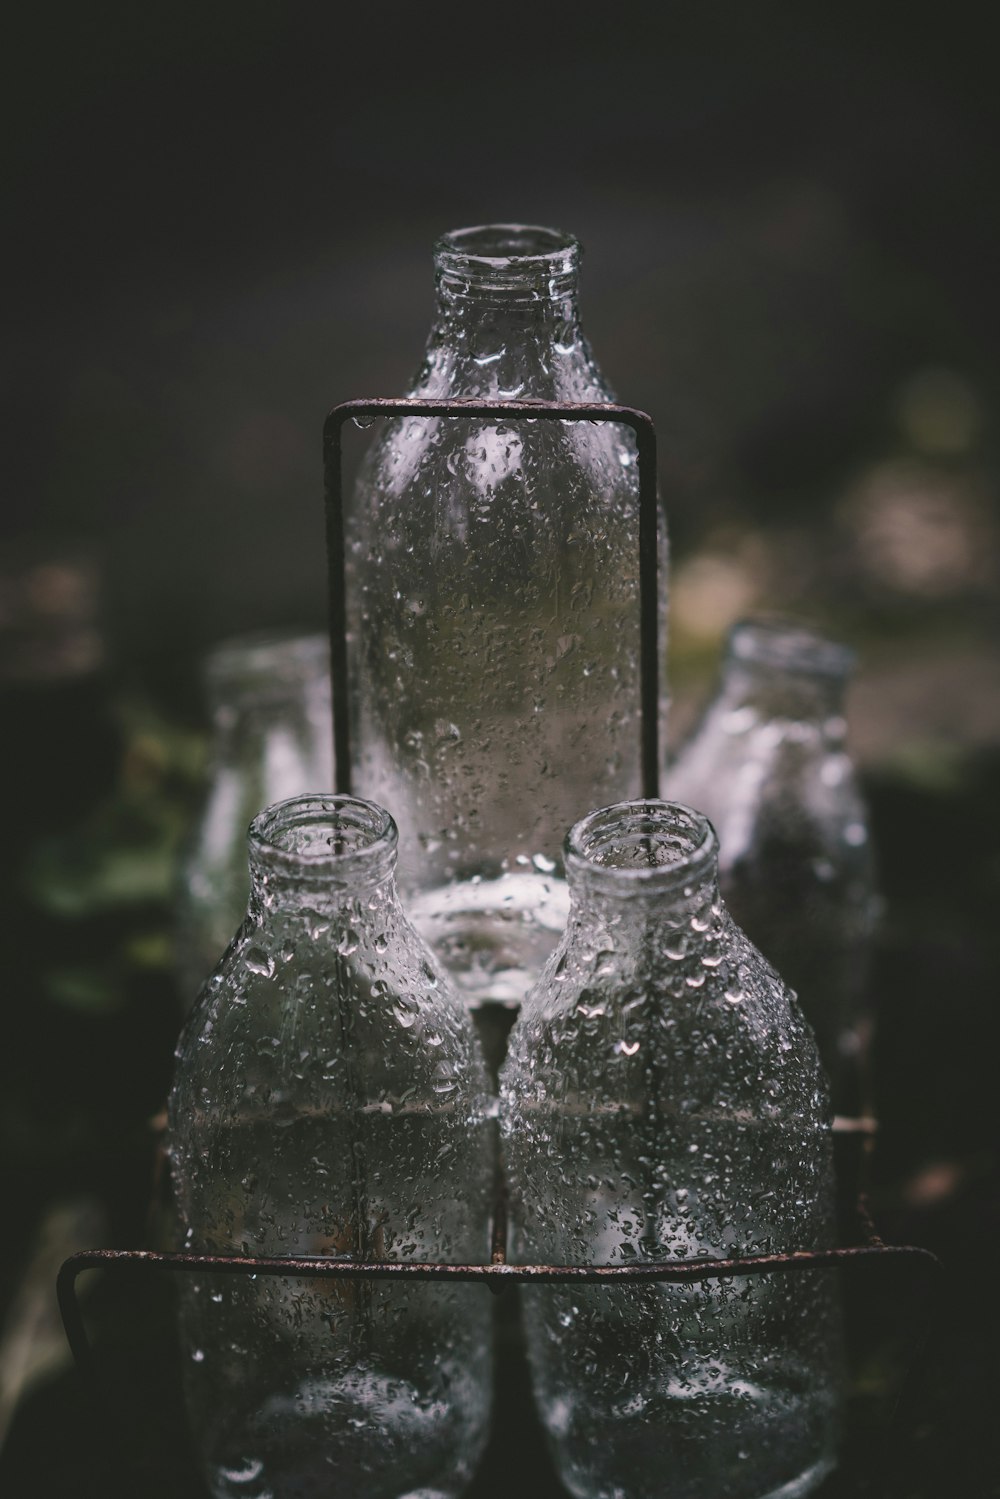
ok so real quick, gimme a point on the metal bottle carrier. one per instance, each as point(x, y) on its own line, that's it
point(497, 1275)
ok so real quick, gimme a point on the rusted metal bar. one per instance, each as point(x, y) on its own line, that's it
point(497, 1275)
point(575, 411)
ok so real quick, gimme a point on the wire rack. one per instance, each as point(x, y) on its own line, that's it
point(854, 1136)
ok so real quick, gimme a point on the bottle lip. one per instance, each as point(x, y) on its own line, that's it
point(262, 662)
point(508, 257)
point(646, 845)
point(790, 645)
point(333, 838)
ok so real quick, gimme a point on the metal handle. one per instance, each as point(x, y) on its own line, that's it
point(566, 411)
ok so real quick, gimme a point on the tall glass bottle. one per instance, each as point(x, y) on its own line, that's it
point(662, 1098)
point(493, 607)
point(768, 765)
point(328, 1099)
point(269, 700)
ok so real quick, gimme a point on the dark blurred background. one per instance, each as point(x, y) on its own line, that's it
point(220, 222)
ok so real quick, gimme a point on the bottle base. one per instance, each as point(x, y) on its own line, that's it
point(805, 1483)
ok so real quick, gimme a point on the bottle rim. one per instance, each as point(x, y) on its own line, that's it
point(329, 837)
point(646, 845)
point(508, 257)
point(785, 644)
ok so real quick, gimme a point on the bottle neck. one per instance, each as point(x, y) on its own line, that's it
point(507, 323)
point(782, 671)
point(331, 856)
point(242, 729)
point(780, 695)
point(256, 682)
point(642, 865)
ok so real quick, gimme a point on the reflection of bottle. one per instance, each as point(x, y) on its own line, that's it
point(493, 608)
point(269, 698)
point(329, 1100)
point(768, 766)
point(662, 1099)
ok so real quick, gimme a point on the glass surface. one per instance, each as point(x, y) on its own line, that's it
point(329, 1100)
point(769, 767)
point(269, 699)
point(494, 612)
point(663, 1098)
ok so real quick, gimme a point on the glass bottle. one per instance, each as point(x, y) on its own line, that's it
point(493, 611)
point(269, 701)
point(328, 1099)
point(768, 765)
point(662, 1098)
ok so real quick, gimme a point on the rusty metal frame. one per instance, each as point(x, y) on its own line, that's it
point(567, 411)
point(497, 1276)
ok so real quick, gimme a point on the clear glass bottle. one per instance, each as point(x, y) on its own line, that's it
point(662, 1098)
point(768, 765)
point(328, 1099)
point(269, 700)
point(493, 612)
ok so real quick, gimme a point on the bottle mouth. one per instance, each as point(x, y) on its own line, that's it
point(647, 845)
point(788, 645)
point(333, 838)
point(508, 257)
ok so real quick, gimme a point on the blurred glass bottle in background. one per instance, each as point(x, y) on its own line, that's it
point(767, 765)
point(494, 612)
point(329, 1100)
point(663, 1099)
point(269, 700)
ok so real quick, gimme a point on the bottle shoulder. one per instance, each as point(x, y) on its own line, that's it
point(490, 358)
point(711, 1028)
point(364, 1027)
point(483, 363)
point(445, 472)
point(774, 773)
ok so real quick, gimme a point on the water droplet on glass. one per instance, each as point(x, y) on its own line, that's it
point(260, 962)
point(244, 1471)
point(347, 943)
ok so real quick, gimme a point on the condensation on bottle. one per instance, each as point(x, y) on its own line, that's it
point(663, 1099)
point(493, 572)
point(768, 764)
point(268, 696)
point(329, 1100)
